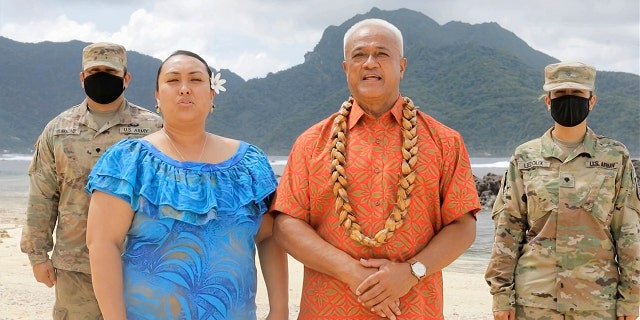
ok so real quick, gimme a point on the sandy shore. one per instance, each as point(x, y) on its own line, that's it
point(21, 297)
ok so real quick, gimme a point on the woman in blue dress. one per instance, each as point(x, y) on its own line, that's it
point(191, 206)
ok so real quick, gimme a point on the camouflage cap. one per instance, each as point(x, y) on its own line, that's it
point(569, 75)
point(104, 54)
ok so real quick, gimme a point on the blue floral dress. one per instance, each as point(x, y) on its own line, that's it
point(190, 251)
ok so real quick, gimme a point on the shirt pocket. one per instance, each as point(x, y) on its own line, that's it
point(75, 156)
point(601, 197)
point(540, 203)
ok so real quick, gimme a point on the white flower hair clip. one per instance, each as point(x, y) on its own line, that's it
point(216, 83)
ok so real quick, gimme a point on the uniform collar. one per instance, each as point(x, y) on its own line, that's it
point(85, 117)
point(588, 146)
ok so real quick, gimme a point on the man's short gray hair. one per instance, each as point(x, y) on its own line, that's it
point(373, 22)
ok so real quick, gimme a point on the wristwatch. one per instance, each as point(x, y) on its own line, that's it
point(418, 269)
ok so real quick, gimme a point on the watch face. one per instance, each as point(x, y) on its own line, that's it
point(419, 269)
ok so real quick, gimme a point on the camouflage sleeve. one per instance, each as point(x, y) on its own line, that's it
point(42, 206)
point(625, 227)
point(509, 216)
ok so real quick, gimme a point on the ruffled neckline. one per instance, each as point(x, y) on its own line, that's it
point(194, 192)
point(237, 156)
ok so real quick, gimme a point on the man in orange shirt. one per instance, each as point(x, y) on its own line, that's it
point(376, 199)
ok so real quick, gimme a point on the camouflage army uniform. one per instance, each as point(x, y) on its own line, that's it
point(567, 232)
point(64, 154)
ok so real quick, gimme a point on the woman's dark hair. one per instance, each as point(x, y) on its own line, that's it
point(183, 53)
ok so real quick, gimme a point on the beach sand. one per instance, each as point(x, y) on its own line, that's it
point(466, 295)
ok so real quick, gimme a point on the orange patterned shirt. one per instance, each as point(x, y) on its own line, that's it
point(444, 191)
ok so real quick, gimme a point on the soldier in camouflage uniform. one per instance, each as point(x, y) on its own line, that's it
point(64, 154)
point(567, 217)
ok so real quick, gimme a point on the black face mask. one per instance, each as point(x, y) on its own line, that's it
point(103, 87)
point(569, 111)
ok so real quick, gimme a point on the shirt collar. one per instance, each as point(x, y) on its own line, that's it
point(357, 113)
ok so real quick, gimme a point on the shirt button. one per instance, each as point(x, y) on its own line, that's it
point(378, 141)
point(376, 170)
point(377, 203)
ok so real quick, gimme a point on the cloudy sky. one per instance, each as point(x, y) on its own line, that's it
point(255, 37)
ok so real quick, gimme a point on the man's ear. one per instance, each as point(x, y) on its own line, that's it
point(127, 79)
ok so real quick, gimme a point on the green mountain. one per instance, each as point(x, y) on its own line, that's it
point(481, 80)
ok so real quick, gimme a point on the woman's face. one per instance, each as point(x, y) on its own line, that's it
point(184, 90)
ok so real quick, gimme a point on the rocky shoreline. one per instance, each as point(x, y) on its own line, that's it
point(489, 185)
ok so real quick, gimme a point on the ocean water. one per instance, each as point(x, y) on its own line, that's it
point(14, 187)
point(480, 166)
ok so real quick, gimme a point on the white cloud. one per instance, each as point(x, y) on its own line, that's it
point(255, 37)
point(56, 29)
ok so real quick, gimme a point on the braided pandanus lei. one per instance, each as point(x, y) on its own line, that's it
point(347, 217)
